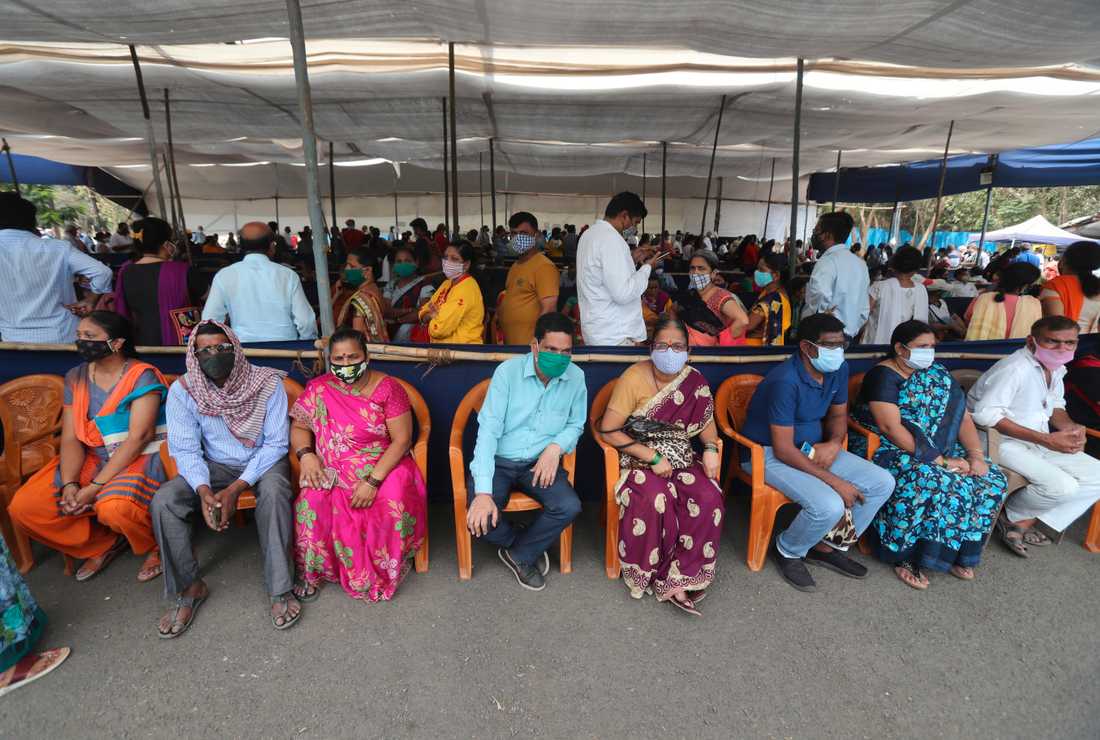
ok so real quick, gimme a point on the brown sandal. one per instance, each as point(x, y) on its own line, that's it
point(92, 566)
point(151, 568)
point(1012, 536)
point(915, 580)
point(962, 572)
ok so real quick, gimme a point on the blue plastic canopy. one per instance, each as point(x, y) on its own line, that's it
point(38, 171)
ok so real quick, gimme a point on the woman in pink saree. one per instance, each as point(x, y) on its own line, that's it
point(670, 504)
point(361, 513)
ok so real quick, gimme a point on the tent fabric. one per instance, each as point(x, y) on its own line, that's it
point(1036, 230)
point(1076, 163)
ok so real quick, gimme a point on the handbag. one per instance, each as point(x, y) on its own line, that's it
point(668, 439)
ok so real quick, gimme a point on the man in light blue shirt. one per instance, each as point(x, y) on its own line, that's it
point(35, 303)
point(534, 412)
point(840, 282)
point(263, 301)
point(228, 432)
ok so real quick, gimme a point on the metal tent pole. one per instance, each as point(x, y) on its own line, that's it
point(710, 172)
point(11, 165)
point(309, 147)
point(493, 183)
point(332, 180)
point(943, 177)
point(173, 179)
point(481, 184)
point(718, 205)
point(171, 194)
point(836, 179)
point(792, 255)
point(150, 139)
point(985, 214)
point(664, 185)
point(643, 185)
point(446, 174)
point(454, 139)
point(768, 210)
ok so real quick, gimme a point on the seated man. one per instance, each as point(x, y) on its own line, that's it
point(1023, 398)
point(534, 412)
point(227, 430)
point(799, 413)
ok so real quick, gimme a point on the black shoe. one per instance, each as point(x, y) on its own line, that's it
point(527, 575)
point(544, 559)
point(794, 571)
point(838, 561)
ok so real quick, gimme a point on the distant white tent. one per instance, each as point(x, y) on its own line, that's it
point(1037, 230)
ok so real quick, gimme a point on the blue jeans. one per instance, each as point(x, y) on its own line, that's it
point(822, 506)
point(560, 506)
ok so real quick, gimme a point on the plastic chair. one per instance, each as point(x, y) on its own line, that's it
point(873, 440)
point(420, 456)
point(471, 403)
point(30, 411)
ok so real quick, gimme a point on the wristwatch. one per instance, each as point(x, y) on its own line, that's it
point(303, 451)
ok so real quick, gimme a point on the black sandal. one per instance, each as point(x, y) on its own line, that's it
point(182, 602)
point(303, 594)
point(288, 620)
point(914, 570)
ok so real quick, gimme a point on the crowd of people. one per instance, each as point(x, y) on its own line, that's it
point(930, 494)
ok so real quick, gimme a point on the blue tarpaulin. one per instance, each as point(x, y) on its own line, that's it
point(1077, 163)
point(39, 171)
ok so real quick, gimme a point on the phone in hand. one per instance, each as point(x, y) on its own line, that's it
point(216, 516)
point(808, 450)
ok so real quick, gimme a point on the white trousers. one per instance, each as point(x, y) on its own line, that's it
point(1061, 487)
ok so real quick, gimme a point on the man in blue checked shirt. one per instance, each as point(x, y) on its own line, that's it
point(534, 412)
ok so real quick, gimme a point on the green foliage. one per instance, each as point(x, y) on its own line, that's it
point(50, 211)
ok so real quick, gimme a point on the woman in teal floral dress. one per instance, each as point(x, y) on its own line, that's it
point(21, 625)
point(947, 493)
point(362, 528)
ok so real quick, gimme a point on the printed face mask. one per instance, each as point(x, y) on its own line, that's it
point(349, 373)
point(91, 350)
point(698, 282)
point(453, 270)
point(523, 243)
point(669, 361)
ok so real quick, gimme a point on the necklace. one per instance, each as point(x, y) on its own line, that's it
point(121, 372)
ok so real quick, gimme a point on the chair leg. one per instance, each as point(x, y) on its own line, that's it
point(422, 555)
point(611, 542)
point(565, 553)
point(761, 522)
point(1092, 537)
point(463, 545)
point(70, 565)
point(864, 545)
point(18, 543)
point(239, 518)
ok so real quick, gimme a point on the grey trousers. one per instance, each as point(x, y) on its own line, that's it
point(176, 505)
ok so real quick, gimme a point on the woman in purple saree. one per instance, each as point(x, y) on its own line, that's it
point(670, 505)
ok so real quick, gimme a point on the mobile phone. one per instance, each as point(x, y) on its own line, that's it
point(216, 515)
point(808, 450)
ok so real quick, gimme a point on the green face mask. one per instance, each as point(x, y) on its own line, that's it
point(354, 277)
point(552, 365)
point(350, 373)
point(404, 269)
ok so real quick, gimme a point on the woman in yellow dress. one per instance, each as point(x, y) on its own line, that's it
point(456, 312)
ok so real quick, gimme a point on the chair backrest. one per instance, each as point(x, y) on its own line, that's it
point(599, 406)
point(966, 377)
point(734, 395)
point(170, 378)
point(470, 404)
point(34, 404)
point(293, 390)
point(855, 382)
point(423, 423)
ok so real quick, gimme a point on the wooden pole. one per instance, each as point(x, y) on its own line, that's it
point(710, 171)
point(332, 181)
point(493, 184)
point(173, 179)
point(150, 138)
point(836, 179)
point(481, 184)
point(171, 193)
point(454, 140)
point(664, 186)
point(792, 254)
point(943, 178)
point(643, 185)
point(718, 206)
point(446, 174)
point(11, 166)
point(768, 210)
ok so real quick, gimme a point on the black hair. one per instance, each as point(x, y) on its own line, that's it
point(209, 328)
point(812, 327)
point(906, 261)
point(1082, 259)
point(776, 262)
point(670, 322)
point(154, 233)
point(707, 256)
point(418, 224)
point(17, 212)
point(837, 224)
point(366, 259)
point(798, 283)
point(1014, 278)
point(403, 248)
point(553, 321)
point(348, 334)
point(626, 201)
point(465, 250)
point(117, 327)
point(906, 332)
point(1053, 323)
point(523, 217)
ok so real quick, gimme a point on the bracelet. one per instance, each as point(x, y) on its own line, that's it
point(656, 459)
point(302, 452)
point(70, 483)
point(710, 447)
point(97, 483)
point(373, 482)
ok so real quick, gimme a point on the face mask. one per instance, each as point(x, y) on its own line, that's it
point(93, 349)
point(349, 373)
point(552, 364)
point(828, 360)
point(354, 277)
point(217, 366)
point(669, 362)
point(453, 270)
point(1052, 359)
point(404, 269)
point(522, 243)
point(763, 278)
point(920, 358)
point(630, 232)
point(699, 281)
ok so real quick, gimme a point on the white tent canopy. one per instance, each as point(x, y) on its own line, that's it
point(1036, 230)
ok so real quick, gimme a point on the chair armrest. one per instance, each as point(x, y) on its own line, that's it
point(569, 462)
point(1094, 433)
point(171, 470)
point(458, 477)
point(873, 440)
point(11, 461)
point(756, 455)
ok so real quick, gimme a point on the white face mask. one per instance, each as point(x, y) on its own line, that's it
point(920, 358)
point(453, 270)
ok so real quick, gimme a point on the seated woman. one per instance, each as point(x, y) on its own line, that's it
point(1075, 293)
point(94, 497)
point(405, 293)
point(655, 304)
point(713, 315)
point(362, 507)
point(896, 299)
point(456, 312)
point(670, 520)
point(770, 317)
point(947, 493)
point(1005, 313)
point(361, 308)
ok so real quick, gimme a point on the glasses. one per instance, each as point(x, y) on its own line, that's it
point(665, 347)
point(213, 349)
point(831, 345)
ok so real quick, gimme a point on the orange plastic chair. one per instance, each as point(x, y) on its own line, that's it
point(30, 411)
point(420, 456)
point(471, 403)
point(855, 382)
point(1092, 536)
point(609, 508)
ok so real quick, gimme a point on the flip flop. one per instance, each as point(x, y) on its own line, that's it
point(1037, 538)
point(920, 582)
point(183, 602)
point(687, 606)
point(955, 571)
point(151, 568)
point(289, 620)
point(92, 566)
point(1012, 536)
point(32, 667)
point(300, 594)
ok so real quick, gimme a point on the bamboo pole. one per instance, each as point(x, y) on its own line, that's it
point(643, 188)
point(943, 177)
point(446, 174)
point(455, 228)
point(150, 138)
point(836, 179)
point(173, 179)
point(493, 186)
point(664, 186)
point(11, 166)
point(710, 172)
point(332, 181)
point(768, 210)
point(792, 256)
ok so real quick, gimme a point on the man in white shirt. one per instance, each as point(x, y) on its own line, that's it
point(840, 281)
point(609, 288)
point(121, 239)
point(963, 287)
point(198, 238)
point(263, 301)
point(1023, 398)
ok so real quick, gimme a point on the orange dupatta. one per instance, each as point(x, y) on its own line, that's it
point(85, 429)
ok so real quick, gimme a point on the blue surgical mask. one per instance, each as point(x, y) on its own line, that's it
point(920, 358)
point(699, 282)
point(763, 278)
point(669, 361)
point(828, 360)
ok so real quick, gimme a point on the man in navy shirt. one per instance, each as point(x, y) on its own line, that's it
point(803, 404)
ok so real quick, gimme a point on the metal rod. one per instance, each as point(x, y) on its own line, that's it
point(664, 185)
point(643, 185)
point(493, 183)
point(150, 139)
point(795, 151)
point(718, 205)
point(173, 179)
point(481, 184)
point(985, 217)
point(332, 180)
point(836, 178)
point(171, 194)
point(768, 210)
point(11, 166)
point(454, 139)
point(446, 174)
point(943, 177)
point(396, 228)
point(309, 147)
point(710, 172)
